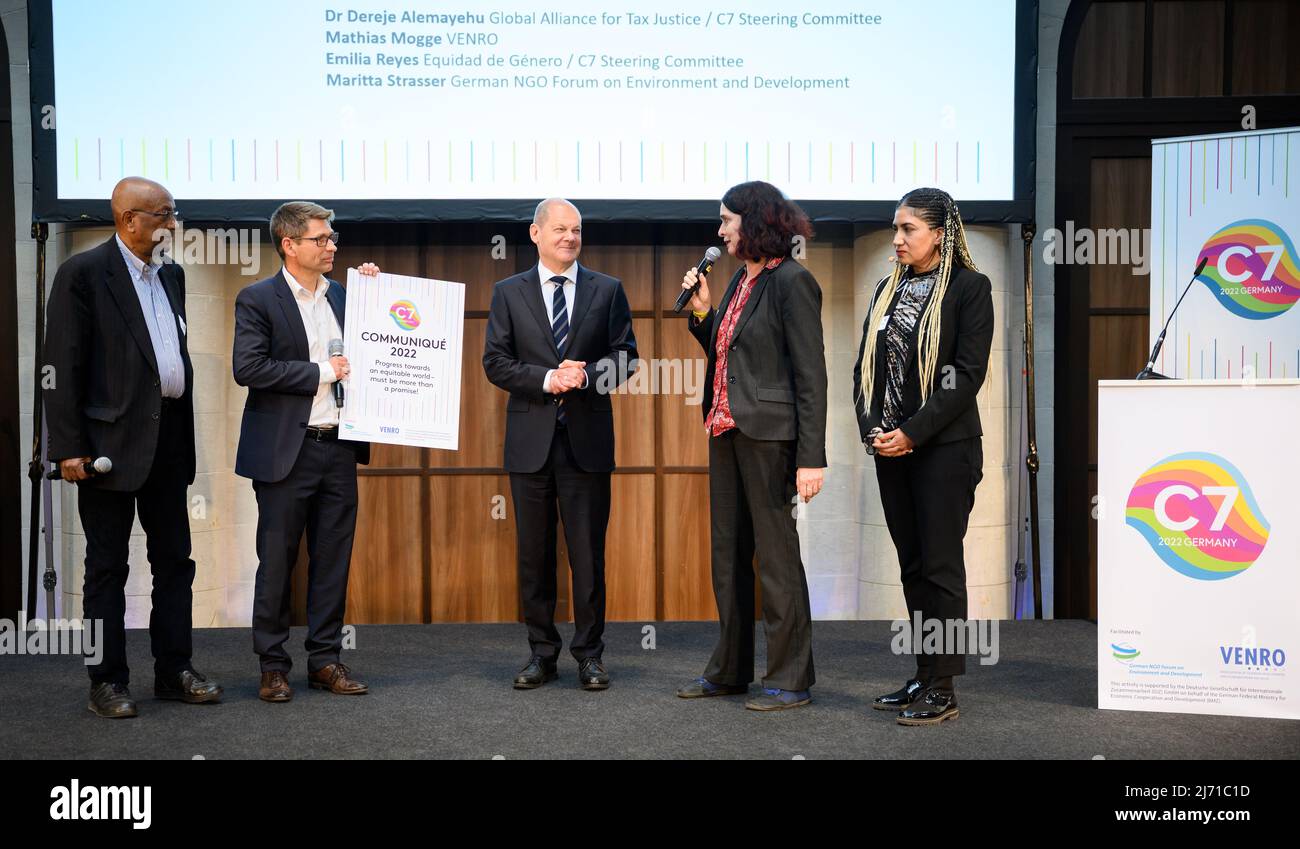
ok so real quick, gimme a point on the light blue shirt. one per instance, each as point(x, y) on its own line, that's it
point(161, 321)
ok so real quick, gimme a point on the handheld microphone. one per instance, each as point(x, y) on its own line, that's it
point(336, 350)
point(93, 469)
point(1149, 373)
point(704, 268)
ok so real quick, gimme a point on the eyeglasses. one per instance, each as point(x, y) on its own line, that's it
point(321, 241)
point(165, 214)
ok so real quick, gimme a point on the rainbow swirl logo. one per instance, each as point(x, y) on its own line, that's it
point(1252, 269)
point(1123, 652)
point(405, 315)
point(1199, 516)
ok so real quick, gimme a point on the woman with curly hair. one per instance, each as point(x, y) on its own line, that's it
point(765, 414)
point(924, 354)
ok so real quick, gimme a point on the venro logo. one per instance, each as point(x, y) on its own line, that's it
point(133, 804)
point(1251, 656)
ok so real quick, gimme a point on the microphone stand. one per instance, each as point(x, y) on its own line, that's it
point(1149, 373)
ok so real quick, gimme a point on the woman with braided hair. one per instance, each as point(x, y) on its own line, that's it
point(924, 353)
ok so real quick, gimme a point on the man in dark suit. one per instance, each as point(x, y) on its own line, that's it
point(304, 475)
point(559, 339)
point(122, 388)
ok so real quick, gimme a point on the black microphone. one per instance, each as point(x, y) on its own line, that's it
point(336, 350)
point(93, 469)
point(705, 267)
point(1149, 373)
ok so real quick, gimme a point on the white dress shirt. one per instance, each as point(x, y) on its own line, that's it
point(570, 275)
point(159, 319)
point(321, 326)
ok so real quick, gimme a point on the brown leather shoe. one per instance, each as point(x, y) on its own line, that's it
point(275, 688)
point(336, 678)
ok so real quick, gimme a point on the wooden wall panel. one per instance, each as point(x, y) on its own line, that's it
point(630, 550)
point(632, 264)
point(630, 585)
point(1265, 59)
point(472, 574)
point(675, 260)
point(386, 584)
point(1118, 349)
point(1187, 48)
point(473, 265)
point(688, 582)
point(401, 255)
point(482, 410)
point(446, 558)
point(383, 456)
point(634, 410)
point(682, 423)
point(1121, 200)
point(1108, 58)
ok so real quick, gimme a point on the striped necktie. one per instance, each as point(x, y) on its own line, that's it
point(560, 329)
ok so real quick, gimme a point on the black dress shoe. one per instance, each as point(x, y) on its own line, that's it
point(111, 701)
point(535, 674)
point(899, 699)
point(189, 686)
point(932, 708)
point(592, 675)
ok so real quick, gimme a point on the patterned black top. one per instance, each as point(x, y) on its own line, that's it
point(913, 293)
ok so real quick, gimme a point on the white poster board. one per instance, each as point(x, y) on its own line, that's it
point(403, 338)
point(1198, 548)
point(1233, 199)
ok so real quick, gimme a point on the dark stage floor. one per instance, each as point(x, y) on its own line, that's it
point(443, 691)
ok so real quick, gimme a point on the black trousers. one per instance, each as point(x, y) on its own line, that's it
point(751, 503)
point(583, 505)
point(927, 497)
point(106, 518)
point(319, 496)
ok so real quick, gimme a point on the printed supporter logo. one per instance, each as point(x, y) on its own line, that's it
point(1252, 269)
point(405, 315)
point(1197, 512)
point(1123, 652)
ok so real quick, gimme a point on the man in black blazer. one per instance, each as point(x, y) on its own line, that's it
point(559, 340)
point(304, 475)
point(122, 388)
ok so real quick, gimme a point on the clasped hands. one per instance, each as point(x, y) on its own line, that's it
point(568, 375)
point(895, 443)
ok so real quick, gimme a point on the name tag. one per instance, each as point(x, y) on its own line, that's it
point(884, 322)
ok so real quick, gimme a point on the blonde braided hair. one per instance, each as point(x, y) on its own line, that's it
point(937, 209)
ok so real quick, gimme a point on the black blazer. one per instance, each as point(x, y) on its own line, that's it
point(272, 359)
point(520, 349)
point(776, 367)
point(965, 336)
point(105, 395)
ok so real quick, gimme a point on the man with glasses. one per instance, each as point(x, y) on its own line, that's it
point(304, 475)
point(121, 387)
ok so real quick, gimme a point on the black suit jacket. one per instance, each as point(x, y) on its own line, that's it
point(105, 397)
point(965, 337)
point(776, 367)
point(272, 359)
point(520, 349)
